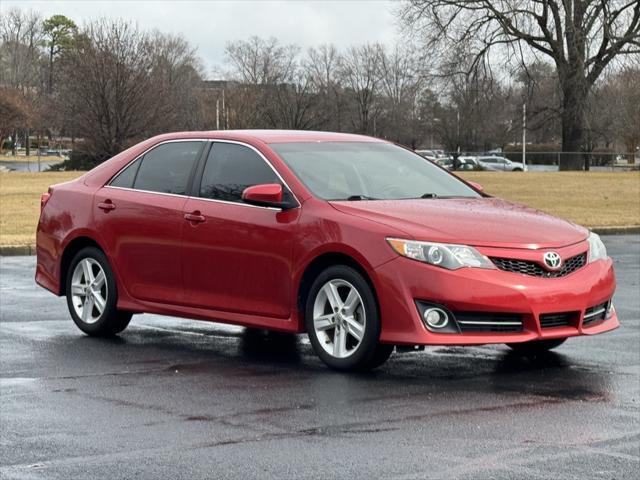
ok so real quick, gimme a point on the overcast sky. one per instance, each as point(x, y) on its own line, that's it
point(208, 24)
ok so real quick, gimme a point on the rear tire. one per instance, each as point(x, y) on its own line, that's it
point(536, 346)
point(92, 295)
point(343, 321)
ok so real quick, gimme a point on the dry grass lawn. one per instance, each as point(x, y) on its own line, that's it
point(30, 158)
point(593, 199)
point(20, 203)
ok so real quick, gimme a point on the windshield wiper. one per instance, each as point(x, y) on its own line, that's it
point(359, 197)
point(429, 195)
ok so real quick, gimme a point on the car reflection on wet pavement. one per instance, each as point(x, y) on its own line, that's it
point(174, 398)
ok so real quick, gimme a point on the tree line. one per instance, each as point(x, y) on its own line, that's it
point(108, 84)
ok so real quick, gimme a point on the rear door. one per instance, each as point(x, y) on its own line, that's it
point(140, 217)
point(237, 257)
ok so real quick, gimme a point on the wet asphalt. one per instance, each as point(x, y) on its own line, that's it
point(180, 399)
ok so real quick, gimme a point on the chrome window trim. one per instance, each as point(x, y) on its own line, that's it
point(189, 197)
point(239, 203)
point(147, 191)
point(206, 140)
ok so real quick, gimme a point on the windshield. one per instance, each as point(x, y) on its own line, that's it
point(368, 171)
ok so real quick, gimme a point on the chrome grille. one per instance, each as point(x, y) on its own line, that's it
point(527, 267)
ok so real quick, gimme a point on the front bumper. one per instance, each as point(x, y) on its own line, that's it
point(401, 282)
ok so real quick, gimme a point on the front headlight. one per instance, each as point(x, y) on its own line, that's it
point(597, 250)
point(441, 254)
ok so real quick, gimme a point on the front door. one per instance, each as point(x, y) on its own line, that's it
point(236, 257)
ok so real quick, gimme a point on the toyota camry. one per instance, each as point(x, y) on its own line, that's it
point(360, 243)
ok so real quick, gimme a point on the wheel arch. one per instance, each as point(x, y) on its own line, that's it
point(318, 264)
point(71, 248)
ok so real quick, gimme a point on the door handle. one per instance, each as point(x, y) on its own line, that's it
point(106, 205)
point(195, 217)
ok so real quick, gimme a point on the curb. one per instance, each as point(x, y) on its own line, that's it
point(616, 230)
point(16, 250)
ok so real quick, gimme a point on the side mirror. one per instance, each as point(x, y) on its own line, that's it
point(477, 186)
point(265, 195)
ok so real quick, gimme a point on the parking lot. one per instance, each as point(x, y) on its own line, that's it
point(181, 399)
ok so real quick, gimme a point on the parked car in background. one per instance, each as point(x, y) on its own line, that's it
point(501, 164)
point(428, 154)
point(445, 162)
point(353, 240)
point(463, 163)
point(469, 163)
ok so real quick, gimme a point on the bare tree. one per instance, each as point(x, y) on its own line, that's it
point(274, 76)
point(121, 85)
point(176, 75)
point(401, 84)
point(261, 62)
point(581, 37)
point(291, 104)
point(323, 70)
point(616, 112)
point(540, 90)
point(629, 118)
point(20, 56)
point(360, 73)
point(15, 113)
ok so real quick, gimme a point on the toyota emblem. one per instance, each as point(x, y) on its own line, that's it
point(552, 260)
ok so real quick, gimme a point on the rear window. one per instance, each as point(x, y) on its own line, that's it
point(127, 176)
point(165, 169)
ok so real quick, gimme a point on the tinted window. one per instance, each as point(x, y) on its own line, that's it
point(167, 167)
point(231, 168)
point(373, 170)
point(126, 177)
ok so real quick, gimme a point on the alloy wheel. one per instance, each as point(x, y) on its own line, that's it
point(339, 318)
point(89, 290)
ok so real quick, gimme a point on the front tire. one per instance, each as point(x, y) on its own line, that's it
point(92, 295)
point(343, 321)
point(536, 346)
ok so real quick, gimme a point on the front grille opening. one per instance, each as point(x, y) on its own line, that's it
point(563, 319)
point(528, 267)
point(595, 314)
point(488, 322)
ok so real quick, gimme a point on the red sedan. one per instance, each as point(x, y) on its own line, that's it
point(360, 243)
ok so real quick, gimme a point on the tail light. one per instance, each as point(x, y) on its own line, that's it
point(44, 198)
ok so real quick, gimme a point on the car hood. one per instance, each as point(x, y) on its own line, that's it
point(488, 222)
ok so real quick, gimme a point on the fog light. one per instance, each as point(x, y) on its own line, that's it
point(435, 317)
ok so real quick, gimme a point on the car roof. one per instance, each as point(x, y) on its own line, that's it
point(276, 136)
